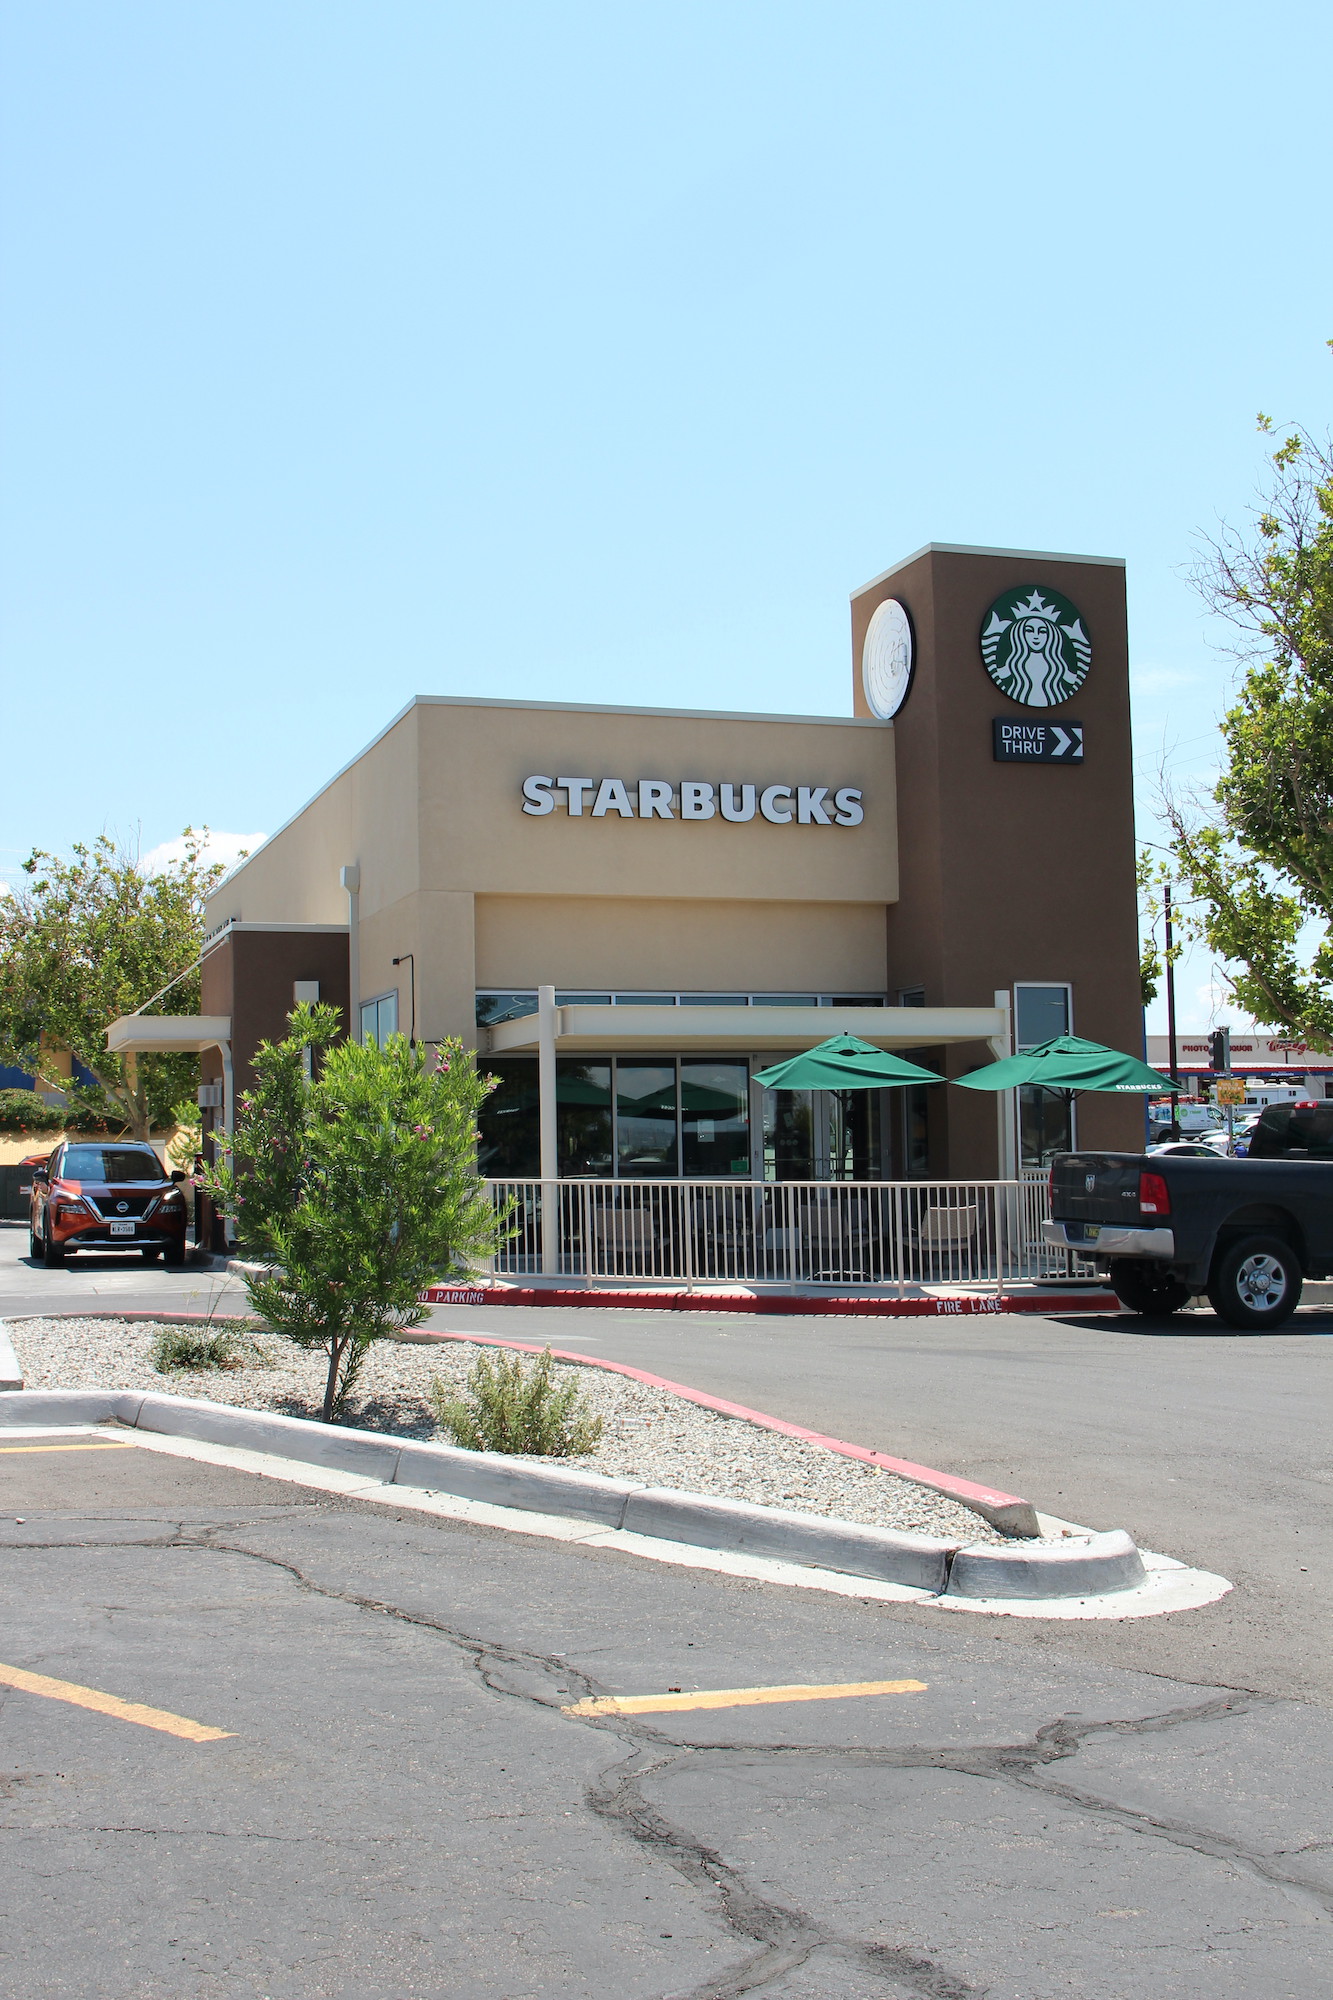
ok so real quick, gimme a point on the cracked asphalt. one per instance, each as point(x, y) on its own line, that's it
point(1116, 1811)
point(403, 1810)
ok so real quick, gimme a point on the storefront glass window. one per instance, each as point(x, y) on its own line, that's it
point(785, 999)
point(854, 1123)
point(646, 1120)
point(493, 1007)
point(789, 1135)
point(510, 1144)
point(1045, 1117)
point(1046, 1126)
point(583, 1117)
point(379, 1019)
point(1040, 1014)
point(715, 1119)
point(645, 1000)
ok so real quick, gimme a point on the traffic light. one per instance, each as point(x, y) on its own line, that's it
point(1219, 1051)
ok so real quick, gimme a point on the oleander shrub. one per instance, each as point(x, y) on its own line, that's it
point(509, 1408)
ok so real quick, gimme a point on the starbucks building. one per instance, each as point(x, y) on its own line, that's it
point(629, 910)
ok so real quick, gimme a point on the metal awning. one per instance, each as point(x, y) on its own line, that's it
point(178, 1034)
point(584, 1030)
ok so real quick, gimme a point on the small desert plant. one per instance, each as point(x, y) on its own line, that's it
point(508, 1408)
point(187, 1348)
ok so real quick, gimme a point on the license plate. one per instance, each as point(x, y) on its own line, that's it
point(122, 1229)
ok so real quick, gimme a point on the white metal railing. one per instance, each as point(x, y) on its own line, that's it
point(881, 1233)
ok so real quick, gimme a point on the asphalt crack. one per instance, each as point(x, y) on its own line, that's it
point(784, 1937)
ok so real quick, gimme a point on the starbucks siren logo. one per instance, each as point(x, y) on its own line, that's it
point(1034, 646)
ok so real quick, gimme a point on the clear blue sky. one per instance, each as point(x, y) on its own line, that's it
point(597, 352)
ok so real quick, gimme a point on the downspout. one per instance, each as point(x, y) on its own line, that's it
point(351, 881)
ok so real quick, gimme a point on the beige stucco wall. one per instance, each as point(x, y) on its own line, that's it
point(368, 813)
point(432, 811)
point(476, 837)
point(775, 947)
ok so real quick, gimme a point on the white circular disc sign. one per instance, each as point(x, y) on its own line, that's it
point(886, 659)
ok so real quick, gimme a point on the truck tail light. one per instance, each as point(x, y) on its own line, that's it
point(1154, 1195)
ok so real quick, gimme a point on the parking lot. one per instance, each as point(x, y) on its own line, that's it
point(401, 1804)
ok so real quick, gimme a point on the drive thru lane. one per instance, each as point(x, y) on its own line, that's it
point(403, 1804)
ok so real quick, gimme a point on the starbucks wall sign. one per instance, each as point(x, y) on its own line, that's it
point(1034, 646)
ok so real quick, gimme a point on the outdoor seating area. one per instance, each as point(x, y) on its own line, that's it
point(875, 1233)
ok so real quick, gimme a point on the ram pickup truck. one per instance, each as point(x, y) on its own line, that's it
point(1165, 1228)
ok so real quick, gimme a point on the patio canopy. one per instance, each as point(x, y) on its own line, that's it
point(1070, 1065)
point(844, 1062)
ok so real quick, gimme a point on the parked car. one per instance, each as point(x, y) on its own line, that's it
point(1244, 1232)
point(98, 1195)
point(1192, 1149)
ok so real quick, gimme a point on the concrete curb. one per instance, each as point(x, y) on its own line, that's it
point(11, 1375)
point(1087, 1566)
point(1081, 1566)
point(778, 1303)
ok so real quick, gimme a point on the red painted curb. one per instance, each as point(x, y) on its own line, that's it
point(774, 1303)
point(966, 1490)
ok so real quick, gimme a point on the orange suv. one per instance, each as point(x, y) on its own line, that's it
point(106, 1196)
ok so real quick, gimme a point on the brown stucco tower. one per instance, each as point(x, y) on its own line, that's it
point(1011, 871)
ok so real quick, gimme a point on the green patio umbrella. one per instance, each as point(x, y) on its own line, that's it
point(844, 1062)
point(1069, 1065)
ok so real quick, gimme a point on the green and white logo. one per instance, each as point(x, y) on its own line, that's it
point(1034, 646)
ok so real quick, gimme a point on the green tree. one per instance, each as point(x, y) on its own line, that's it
point(91, 938)
point(1259, 854)
point(356, 1185)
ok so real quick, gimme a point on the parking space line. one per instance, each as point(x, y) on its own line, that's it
point(110, 1704)
point(662, 1704)
point(93, 1444)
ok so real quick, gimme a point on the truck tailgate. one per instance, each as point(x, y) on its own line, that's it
point(1096, 1187)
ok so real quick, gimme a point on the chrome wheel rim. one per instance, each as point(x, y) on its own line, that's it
point(1261, 1282)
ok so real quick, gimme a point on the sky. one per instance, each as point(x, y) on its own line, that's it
point(593, 353)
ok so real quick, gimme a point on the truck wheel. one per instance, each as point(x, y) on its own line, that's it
point(1256, 1283)
point(1145, 1288)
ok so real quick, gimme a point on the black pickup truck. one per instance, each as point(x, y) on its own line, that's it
point(1166, 1227)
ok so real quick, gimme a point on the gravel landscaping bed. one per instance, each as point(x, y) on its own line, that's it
point(649, 1434)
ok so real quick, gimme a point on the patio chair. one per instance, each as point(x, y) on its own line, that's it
point(625, 1238)
point(943, 1235)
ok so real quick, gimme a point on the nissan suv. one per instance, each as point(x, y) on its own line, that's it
point(106, 1196)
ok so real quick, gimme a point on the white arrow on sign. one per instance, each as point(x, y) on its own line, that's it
point(1063, 739)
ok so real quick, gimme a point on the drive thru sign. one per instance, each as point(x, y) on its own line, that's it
point(1037, 742)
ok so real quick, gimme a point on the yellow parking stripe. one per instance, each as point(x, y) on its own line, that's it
point(94, 1444)
point(661, 1704)
point(110, 1704)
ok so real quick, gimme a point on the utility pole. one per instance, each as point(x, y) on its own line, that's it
point(1171, 1010)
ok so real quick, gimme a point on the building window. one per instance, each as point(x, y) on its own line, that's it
point(1045, 1117)
point(379, 1018)
point(495, 1004)
point(583, 1118)
point(714, 1119)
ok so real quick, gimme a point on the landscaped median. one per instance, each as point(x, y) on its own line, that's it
point(1078, 1566)
point(910, 1533)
